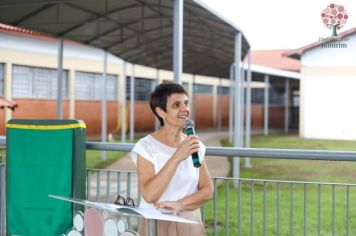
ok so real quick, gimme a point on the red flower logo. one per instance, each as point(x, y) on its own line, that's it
point(334, 17)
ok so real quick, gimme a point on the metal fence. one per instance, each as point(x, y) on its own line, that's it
point(245, 206)
point(274, 207)
point(253, 206)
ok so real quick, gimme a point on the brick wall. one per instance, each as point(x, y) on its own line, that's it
point(224, 109)
point(276, 116)
point(203, 111)
point(144, 117)
point(38, 109)
point(257, 116)
point(90, 113)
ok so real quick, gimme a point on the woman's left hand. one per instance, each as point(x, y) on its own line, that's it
point(173, 206)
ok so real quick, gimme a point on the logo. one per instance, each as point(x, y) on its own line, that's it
point(334, 17)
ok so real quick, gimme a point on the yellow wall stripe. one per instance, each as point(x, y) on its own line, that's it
point(46, 127)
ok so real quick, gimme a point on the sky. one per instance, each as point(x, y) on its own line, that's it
point(281, 24)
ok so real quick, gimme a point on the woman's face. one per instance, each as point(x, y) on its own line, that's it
point(178, 110)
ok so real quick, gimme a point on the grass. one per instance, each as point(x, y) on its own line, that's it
point(325, 171)
point(284, 211)
point(2, 154)
point(94, 160)
point(328, 171)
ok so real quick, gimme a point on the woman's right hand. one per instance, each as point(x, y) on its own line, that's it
point(189, 146)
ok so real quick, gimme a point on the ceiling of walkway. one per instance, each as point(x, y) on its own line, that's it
point(138, 31)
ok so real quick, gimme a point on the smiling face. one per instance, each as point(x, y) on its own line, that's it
point(178, 110)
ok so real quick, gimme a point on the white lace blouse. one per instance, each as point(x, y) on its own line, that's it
point(186, 178)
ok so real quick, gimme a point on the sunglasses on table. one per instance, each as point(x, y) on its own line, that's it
point(120, 200)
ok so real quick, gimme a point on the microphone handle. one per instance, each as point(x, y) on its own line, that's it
point(195, 156)
point(196, 161)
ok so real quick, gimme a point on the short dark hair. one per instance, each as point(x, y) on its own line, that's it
point(160, 94)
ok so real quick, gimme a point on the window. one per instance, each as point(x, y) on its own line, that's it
point(36, 82)
point(276, 96)
point(88, 86)
point(257, 95)
point(143, 88)
point(295, 98)
point(202, 89)
point(2, 79)
point(224, 90)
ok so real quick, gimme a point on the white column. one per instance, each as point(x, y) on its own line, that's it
point(123, 105)
point(71, 93)
point(248, 110)
point(8, 89)
point(60, 79)
point(242, 105)
point(286, 106)
point(231, 107)
point(178, 41)
point(266, 106)
point(103, 105)
point(132, 103)
point(238, 88)
point(218, 111)
point(118, 96)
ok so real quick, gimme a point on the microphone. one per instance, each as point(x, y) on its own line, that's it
point(189, 129)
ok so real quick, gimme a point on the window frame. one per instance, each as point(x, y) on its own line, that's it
point(95, 88)
point(33, 92)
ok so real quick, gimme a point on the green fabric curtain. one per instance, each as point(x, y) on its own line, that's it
point(40, 162)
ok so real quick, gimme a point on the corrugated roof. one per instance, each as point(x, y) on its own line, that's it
point(297, 53)
point(138, 31)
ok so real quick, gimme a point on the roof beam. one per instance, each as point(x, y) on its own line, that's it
point(32, 3)
point(122, 26)
point(31, 14)
point(99, 16)
point(91, 18)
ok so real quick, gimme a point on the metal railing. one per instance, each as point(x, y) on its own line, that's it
point(247, 152)
point(249, 206)
point(269, 207)
point(275, 207)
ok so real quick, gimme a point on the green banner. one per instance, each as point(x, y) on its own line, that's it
point(41, 160)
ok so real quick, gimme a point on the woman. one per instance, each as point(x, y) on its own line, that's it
point(167, 178)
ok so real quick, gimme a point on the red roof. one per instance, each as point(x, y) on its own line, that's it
point(23, 32)
point(275, 59)
point(29, 33)
point(297, 53)
point(17, 29)
point(6, 103)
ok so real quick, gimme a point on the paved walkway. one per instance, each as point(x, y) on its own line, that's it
point(218, 166)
